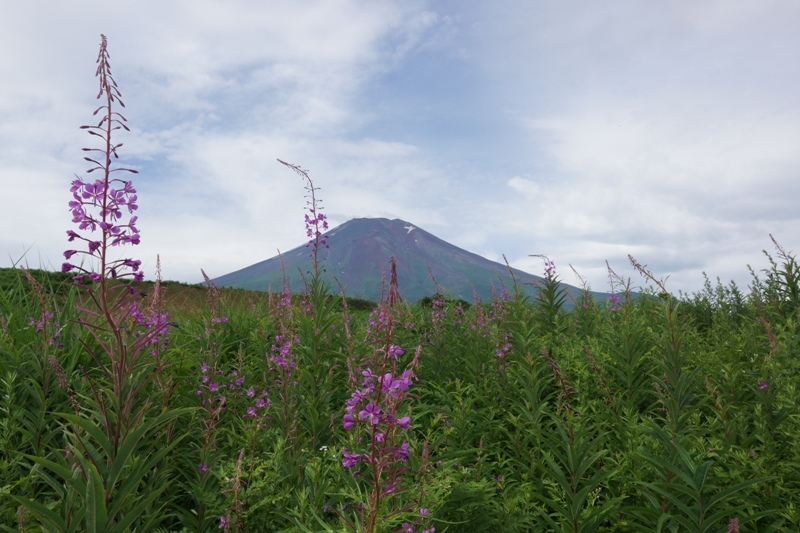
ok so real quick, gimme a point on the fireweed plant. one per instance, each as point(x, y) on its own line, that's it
point(316, 221)
point(112, 449)
point(282, 365)
point(374, 418)
point(317, 325)
point(215, 401)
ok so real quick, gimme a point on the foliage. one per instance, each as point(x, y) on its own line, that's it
point(670, 413)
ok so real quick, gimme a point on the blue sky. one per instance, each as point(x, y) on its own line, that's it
point(586, 131)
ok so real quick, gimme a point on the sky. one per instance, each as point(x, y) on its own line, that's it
point(585, 131)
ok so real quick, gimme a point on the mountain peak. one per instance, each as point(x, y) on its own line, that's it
point(358, 255)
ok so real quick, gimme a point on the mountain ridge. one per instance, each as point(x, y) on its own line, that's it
point(358, 255)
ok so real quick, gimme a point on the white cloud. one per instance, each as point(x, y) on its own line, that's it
point(666, 130)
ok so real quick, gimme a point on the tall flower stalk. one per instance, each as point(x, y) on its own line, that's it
point(315, 338)
point(97, 210)
point(316, 220)
point(374, 417)
point(112, 472)
point(99, 204)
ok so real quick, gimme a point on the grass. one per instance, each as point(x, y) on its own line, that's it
point(671, 413)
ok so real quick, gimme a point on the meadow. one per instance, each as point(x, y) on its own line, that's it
point(134, 406)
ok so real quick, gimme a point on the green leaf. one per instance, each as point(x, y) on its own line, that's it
point(42, 513)
point(125, 522)
point(131, 441)
point(92, 429)
point(96, 513)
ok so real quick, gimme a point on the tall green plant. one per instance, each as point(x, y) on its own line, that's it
point(113, 473)
point(688, 498)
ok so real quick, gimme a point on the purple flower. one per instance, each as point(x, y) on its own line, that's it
point(349, 460)
point(402, 452)
point(357, 396)
point(400, 383)
point(404, 422)
point(763, 385)
point(98, 205)
point(431, 529)
point(370, 412)
point(222, 522)
point(394, 351)
point(348, 421)
point(549, 269)
point(202, 468)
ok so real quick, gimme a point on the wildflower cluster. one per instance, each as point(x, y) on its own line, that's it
point(377, 322)
point(153, 328)
point(96, 205)
point(102, 204)
point(41, 327)
point(209, 389)
point(438, 311)
point(372, 415)
point(215, 393)
point(613, 302)
point(490, 322)
point(316, 221)
point(503, 346)
point(214, 299)
point(281, 352)
point(316, 224)
point(374, 406)
point(549, 269)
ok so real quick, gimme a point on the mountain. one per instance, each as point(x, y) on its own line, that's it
point(358, 257)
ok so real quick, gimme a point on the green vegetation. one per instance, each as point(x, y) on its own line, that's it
point(652, 413)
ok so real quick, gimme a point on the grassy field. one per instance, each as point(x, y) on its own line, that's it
point(277, 412)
